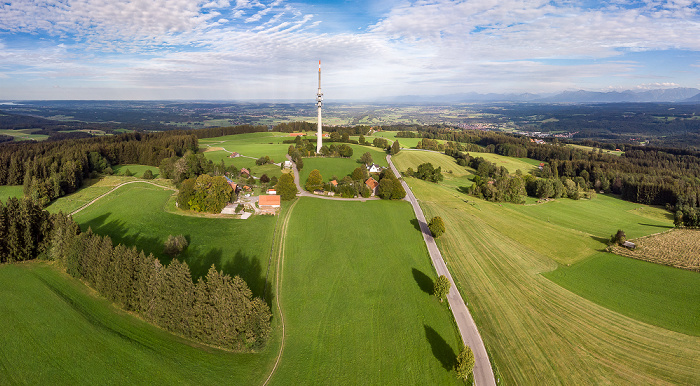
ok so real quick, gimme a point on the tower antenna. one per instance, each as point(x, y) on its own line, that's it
point(319, 103)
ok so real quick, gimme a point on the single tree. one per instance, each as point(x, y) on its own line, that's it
point(441, 287)
point(465, 362)
point(395, 147)
point(264, 179)
point(619, 237)
point(174, 245)
point(285, 187)
point(436, 226)
point(366, 158)
point(148, 175)
point(315, 181)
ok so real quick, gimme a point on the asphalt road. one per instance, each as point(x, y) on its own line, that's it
point(483, 373)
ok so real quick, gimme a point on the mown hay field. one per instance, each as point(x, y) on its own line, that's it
point(539, 332)
point(678, 248)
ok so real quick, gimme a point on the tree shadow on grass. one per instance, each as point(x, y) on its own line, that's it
point(441, 350)
point(424, 282)
point(601, 240)
point(657, 226)
point(417, 224)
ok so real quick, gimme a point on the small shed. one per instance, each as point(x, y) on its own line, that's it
point(629, 245)
point(287, 164)
point(334, 183)
point(245, 172)
point(271, 191)
point(234, 155)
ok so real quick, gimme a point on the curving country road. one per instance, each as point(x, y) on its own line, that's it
point(483, 373)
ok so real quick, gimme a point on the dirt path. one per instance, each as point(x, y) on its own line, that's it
point(115, 188)
point(278, 280)
point(483, 373)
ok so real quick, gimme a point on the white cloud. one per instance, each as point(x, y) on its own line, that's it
point(257, 49)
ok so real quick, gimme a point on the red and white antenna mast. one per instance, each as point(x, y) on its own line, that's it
point(319, 103)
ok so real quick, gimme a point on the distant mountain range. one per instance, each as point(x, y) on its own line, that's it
point(680, 94)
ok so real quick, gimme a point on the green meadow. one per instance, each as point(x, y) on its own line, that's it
point(7, 191)
point(56, 331)
point(144, 216)
point(355, 294)
point(502, 256)
point(254, 145)
point(25, 135)
point(653, 293)
point(135, 170)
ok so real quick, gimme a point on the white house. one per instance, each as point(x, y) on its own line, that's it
point(374, 168)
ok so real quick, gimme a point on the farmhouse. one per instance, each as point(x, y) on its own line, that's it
point(296, 134)
point(372, 184)
point(287, 164)
point(245, 172)
point(374, 168)
point(234, 155)
point(269, 204)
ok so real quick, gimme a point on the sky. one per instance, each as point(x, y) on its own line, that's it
point(269, 50)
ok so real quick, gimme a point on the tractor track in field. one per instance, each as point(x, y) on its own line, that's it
point(278, 280)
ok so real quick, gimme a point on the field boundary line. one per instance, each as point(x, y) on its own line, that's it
point(278, 279)
point(115, 188)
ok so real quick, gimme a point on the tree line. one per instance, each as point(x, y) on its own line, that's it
point(217, 309)
point(648, 175)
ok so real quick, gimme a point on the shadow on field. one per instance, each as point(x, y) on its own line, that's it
point(416, 224)
point(441, 350)
point(119, 233)
point(424, 282)
point(601, 240)
point(247, 267)
point(657, 226)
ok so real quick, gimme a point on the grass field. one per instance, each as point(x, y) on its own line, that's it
point(641, 289)
point(56, 331)
point(25, 135)
point(589, 148)
point(92, 189)
point(497, 254)
point(355, 295)
point(254, 145)
point(459, 178)
point(136, 170)
point(7, 191)
point(134, 215)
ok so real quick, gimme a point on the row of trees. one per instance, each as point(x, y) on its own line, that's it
point(217, 310)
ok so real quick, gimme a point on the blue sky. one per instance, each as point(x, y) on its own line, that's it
point(260, 49)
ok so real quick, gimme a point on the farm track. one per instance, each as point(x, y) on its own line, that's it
point(278, 281)
point(73, 213)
